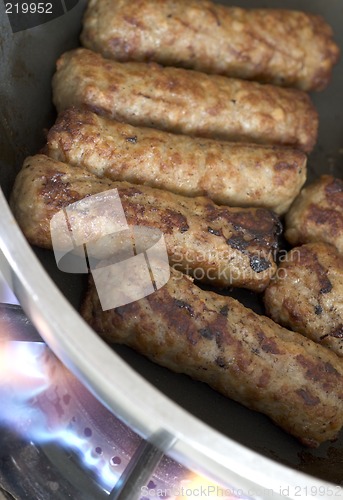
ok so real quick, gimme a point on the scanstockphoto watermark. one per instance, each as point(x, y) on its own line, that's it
point(127, 263)
point(219, 266)
point(273, 255)
point(191, 491)
point(230, 275)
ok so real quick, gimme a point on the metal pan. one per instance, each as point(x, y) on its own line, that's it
point(198, 425)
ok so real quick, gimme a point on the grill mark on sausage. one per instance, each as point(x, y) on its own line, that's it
point(135, 212)
point(313, 371)
point(318, 372)
point(308, 398)
point(331, 218)
point(220, 332)
point(264, 379)
point(172, 219)
point(161, 305)
point(242, 362)
point(309, 259)
point(267, 344)
point(258, 222)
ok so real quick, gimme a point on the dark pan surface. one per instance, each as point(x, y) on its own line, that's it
point(26, 66)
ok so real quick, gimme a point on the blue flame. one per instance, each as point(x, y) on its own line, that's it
point(32, 386)
point(44, 403)
point(21, 381)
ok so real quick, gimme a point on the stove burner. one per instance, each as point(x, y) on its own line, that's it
point(46, 405)
point(58, 442)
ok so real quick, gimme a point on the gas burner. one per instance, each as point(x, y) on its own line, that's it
point(57, 441)
point(48, 417)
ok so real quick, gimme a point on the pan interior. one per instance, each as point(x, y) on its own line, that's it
point(27, 64)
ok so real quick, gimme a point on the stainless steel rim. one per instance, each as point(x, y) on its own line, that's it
point(123, 391)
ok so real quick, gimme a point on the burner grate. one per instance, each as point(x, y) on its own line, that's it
point(49, 470)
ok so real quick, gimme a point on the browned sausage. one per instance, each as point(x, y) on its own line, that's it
point(185, 102)
point(317, 214)
point(219, 245)
point(307, 294)
point(249, 358)
point(277, 46)
point(232, 174)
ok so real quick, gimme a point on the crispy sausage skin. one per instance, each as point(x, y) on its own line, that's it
point(247, 357)
point(282, 47)
point(307, 294)
point(184, 101)
point(219, 245)
point(317, 214)
point(242, 175)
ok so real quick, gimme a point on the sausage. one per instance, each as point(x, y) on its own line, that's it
point(306, 295)
point(230, 174)
point(282, 47)
point(246, 357)
point(317, 214)
point(222, 246)
point(184, 101)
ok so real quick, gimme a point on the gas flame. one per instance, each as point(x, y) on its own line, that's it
point(21, 381)
point(36, 402)
point(43, 402)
